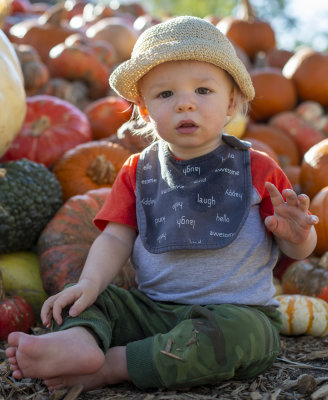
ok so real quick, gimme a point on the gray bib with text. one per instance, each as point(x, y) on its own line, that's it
point(193, 204)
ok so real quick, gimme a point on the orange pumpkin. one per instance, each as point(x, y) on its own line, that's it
point(248, 32)
point(278, 57)
point(279, 141)
point(263, 147)
point(274, 93)
point(314, 166)
point(90, 166)
point(107, 114)
point(308, 69)
point(319, 207)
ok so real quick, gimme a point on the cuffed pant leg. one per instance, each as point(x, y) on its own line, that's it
point(213, 344)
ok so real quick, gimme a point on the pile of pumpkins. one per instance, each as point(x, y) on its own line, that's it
point(59, 114)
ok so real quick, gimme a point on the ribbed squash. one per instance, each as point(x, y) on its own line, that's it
point(64, 244)
point(29, 197)
point(303, 315)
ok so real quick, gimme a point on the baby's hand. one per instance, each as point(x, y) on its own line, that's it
point(81, 295)
point(291, 220)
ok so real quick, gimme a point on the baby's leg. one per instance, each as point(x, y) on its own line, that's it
point(68, 352)
point(113, 371)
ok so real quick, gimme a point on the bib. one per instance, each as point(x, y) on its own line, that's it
point(200, 203)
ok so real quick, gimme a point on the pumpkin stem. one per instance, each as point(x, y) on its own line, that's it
point(40, 125)
point(246, 11)
point(102, 171)
point(3, 172)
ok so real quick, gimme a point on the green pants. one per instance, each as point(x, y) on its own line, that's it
point(172, 345)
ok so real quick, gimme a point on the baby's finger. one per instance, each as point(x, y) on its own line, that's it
point(80, 305)
point(275, 195)
point(312, 219)
point(291, 197)
point(304, 202)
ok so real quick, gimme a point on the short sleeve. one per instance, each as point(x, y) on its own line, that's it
point(120, 204)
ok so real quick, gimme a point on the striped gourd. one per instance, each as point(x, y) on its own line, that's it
point(303, 315)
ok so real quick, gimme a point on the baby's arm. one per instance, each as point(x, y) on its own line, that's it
point(107, 255)
point(291, 224)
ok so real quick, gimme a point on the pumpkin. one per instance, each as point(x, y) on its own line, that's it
point(308, 277)
point(237, 125)
point(30, 195)
point(64, 244)
point(35, 72)
point(264, 148)
point(51, 127)
point(278, 57)
point(42, 36)
point(274, 93)
point(314, 174)
point(279, 141)
point(304, 134)
point(107, 114)
point(12, 94)
point(303, 315)
point(319, 207)
point(16, 314)
point(247, 31)
point(118, 32)
point(21, 275)
point(80, 62)
point(293, 173)
point(300, 69)
point(89, 166)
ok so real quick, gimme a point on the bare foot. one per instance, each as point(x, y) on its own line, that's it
point(73, 351)
point(114, 370)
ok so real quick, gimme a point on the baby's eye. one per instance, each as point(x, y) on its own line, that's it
point(165, 94)
point(202, 90)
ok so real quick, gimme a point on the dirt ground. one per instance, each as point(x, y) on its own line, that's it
point(300, 372)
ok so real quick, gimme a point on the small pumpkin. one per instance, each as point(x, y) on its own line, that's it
point(51, 127)
point(278, 57)
point(310, 86)
point(107, 115)
point(314, 165)
point(274, 93)
point(16, 314)
point(89, 166)
point(264, 148)
point(12, 94)
point(319, 207)
point(303, 315)
point(250, 33)
point(64, 244)
point(308, 277)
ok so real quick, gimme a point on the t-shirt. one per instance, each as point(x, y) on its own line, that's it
point(240, 273)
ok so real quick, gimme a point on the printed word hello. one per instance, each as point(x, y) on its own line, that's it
point(228, 156)
point(222, 218)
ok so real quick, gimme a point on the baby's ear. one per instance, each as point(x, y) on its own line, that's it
point(233, 104)
point(143, 110)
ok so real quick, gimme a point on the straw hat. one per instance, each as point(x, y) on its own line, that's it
point(180, 38)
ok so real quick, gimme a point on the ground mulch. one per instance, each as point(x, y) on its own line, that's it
point(300, 372)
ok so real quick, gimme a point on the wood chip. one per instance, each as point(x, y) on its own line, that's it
point(321, 393)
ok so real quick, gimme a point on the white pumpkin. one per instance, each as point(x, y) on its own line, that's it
point(303, 315)
point(12, 94)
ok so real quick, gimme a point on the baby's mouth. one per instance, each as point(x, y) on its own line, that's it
point(187, 127)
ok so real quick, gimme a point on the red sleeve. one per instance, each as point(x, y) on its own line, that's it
point(265, 169)
point(120, 204)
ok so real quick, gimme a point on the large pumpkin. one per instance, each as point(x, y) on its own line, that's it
point(280, 142)
point(89, 166)
point(12, 94)
point(308, 69)
point(274, 93)
point(51, 127)
point(64, 244)
point(314, 166)
point(250, 33)
point(319, 207)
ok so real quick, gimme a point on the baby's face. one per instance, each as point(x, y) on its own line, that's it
point(187, 102)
